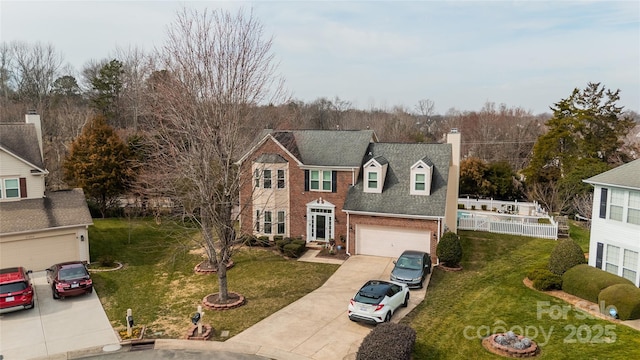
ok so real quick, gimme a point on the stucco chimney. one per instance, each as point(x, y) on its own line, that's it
point(451, 216)
point(33, 118)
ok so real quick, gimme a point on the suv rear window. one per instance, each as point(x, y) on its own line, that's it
point(13, 287)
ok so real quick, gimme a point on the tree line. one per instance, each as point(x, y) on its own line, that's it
point(508, 152)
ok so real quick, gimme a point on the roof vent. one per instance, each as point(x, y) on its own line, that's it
point(32, 112)
point(454, 130)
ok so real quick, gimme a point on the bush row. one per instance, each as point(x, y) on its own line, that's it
point(596, 285)
point(388, 341)
point(291, 247)
point(545, 280)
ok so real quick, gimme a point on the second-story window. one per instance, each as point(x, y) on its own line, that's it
point(420, 182)
point(373, 180)
point(281, 180)
point(266, 181)
point(11, 188)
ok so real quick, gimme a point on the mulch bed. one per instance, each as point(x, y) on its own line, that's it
point(338, 254)
point(206, 268)
point(446, 268)
point(212, 301)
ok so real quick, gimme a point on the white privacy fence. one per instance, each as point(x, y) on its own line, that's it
point(508, 224)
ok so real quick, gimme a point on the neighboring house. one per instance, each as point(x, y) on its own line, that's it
point(37, 228)
point(615, 221)
point(380, 198)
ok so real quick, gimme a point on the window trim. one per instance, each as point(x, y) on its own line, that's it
point(267, 224)
point(5, 188)
point(281, 222)
point(421, 168)
point(323, 179)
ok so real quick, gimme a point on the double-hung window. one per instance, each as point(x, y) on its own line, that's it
point(633, 211)
point(420, 182)
point(256, 177)
point(281, 223)
point(372, 182)
point(11, 188)
point(613, 258)
point(267, 222)
point(266, 174)
point(257, 223)
point(320, 180)
point(617, 205)
point(630, 265)
point(281, 180)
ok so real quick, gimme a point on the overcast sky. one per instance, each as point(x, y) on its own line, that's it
point(381, 54)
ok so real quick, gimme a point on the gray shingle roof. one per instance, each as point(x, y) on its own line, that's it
point(627, 175)
point(22, 140)
point(332, 148)
point(395, 197)
point(57, 209)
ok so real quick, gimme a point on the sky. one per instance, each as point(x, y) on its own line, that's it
point(382, 54)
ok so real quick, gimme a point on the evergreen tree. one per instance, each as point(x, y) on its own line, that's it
point(107, 86)
point(585, 137)
point(99, 163)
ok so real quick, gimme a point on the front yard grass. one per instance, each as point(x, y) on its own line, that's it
point(159, 285)
point(488, 295)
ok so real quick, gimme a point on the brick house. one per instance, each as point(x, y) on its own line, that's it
point(378, 198)
point(37, 228)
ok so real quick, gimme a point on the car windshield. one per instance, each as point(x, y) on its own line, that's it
point(12, 287)
point(412, 263)
point(72, 273)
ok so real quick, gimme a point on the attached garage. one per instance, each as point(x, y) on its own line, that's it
point(390, 241)
point(43, 250)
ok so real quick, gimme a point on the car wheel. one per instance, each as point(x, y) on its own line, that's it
point(406, 300)
point(56, 296)
point(31, 306)
point(387, 318)
point(429, 269)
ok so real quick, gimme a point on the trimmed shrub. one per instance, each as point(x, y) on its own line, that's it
point(299, 241)
point(586, 281)
point(293, 250)
point(263, 241)
point(544, 280)
point(548, 281)
point(106, 261)
point(277, 237)
point(280, 243)
point(626, 299)
point(565, 255)
point(449, 250)
point(388, 341)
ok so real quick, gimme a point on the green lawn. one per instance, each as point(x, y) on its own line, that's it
point(159, 285)
point(462, 307)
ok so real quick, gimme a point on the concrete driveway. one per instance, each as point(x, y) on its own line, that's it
point(55, 328)
point(316, 326)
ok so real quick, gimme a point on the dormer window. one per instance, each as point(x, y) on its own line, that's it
point(421, 178)
point(374, 172)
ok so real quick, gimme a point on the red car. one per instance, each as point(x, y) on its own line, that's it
point(16, 291)
point(69, 279)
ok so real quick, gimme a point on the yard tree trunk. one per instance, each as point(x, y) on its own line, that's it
point(213, 71)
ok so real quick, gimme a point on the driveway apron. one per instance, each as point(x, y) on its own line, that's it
point(317, 326)
point(54, 327)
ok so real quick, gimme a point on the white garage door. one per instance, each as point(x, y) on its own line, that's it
point(39, 253)
point(390, 241)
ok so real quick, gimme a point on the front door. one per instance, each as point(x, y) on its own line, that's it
point(320, 220)
point(321, 227)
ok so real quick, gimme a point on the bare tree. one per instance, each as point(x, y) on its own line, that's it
point(219, 67)
point(36, 68)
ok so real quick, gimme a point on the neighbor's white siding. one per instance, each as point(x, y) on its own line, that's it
point(11, 167)
point(620, 234)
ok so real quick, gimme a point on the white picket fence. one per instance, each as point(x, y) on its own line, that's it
point(507, 224)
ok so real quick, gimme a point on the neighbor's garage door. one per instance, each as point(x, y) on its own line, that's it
point(39, 253)
point(390, 241)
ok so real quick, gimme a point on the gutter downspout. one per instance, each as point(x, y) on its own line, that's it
point(438, 239)
point(348, 232)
